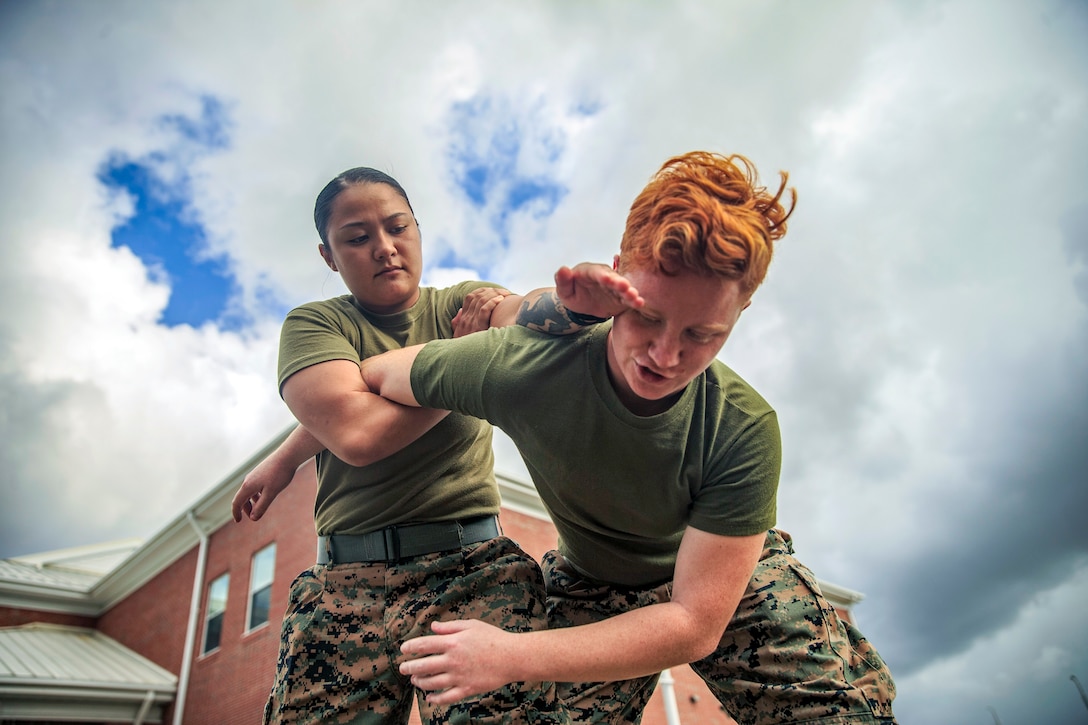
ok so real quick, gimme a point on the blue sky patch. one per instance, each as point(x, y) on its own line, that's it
point(588, 107)
point(211, 130)
point(488, 137)
point(163, 231)
point(525, 191)
point(450, 259)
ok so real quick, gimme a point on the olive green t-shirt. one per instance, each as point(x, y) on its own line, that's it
point(620, 488)
point(445, 474)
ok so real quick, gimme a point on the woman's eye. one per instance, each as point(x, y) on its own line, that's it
point(399, 229)
point(702, 338)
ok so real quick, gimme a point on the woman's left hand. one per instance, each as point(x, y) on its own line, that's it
point(475, 312)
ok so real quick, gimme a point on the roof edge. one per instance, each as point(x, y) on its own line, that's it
point(174, 540)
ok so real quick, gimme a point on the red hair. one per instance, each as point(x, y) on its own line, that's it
point(707, 213)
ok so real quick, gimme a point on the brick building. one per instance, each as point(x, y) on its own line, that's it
point(183, 628)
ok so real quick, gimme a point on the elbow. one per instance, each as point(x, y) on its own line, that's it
point(701, 640)
point(355, 451)
point(705, 646)
point(695, 648)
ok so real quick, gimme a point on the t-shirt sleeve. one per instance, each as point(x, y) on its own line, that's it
point(740, 495)
point(312, 335)
point(450, 374)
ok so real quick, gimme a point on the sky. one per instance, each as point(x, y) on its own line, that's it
point(923, 331)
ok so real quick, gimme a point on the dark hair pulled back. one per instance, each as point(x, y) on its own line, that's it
point(351, 177)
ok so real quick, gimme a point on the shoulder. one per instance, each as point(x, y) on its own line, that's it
point(453, 292)
point(734, 391)
point(331, 305)
point(335, 307)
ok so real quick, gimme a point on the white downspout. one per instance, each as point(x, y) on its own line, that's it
point(668, 694)
point(145, 707)
point(194, 612)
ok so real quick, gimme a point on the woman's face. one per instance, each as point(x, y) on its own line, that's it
point(375, 246)
point(655, 351)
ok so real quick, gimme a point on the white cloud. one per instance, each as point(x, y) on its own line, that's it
point(920, 331)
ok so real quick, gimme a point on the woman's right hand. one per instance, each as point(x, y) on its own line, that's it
point(596, 290)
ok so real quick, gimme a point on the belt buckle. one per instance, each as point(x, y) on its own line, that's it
point(392, 543)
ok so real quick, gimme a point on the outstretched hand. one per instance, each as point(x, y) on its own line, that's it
point(462, 658)
point(595, 289)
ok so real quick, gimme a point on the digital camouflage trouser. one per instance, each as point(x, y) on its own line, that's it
point(341, 637)
point(786, 657)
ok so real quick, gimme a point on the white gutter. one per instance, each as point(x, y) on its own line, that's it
point(668, 694)
point(194, 612)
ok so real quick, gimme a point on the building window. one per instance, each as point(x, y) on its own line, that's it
point(217, 606)
point(260, 585)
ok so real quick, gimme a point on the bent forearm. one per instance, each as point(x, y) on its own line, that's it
point(711, 575)
point(331, 401)
point(390, 374)
point(637, 643)
point(375, 430)
point(299, 447)
point(541, 310)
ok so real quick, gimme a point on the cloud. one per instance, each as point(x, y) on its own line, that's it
point(922, 331)
point(162, 228)
point(1016, 669)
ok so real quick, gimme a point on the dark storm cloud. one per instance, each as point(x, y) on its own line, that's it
point(1017, 530)
point(1074, 227)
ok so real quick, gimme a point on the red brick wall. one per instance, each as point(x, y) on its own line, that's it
point(230, 684)
point(536, 536)
point(152, 619)
point(13, 617)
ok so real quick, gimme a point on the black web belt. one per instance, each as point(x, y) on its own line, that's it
point(402, 542)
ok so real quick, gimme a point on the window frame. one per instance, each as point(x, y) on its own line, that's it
point(223, 581)
point(266, 584)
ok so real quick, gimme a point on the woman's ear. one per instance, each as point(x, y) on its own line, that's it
point(327, 256)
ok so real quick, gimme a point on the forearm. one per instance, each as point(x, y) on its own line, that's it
point(468, 657)
point(376, 429)
point(299, 447)
point(637, 643)
point(583, 295)
point(711, 575)
point(272, 475)
point(390, 375)
point(541, 310)
point(358, 427)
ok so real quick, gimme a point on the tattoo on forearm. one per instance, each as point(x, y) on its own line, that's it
point(546, 314)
